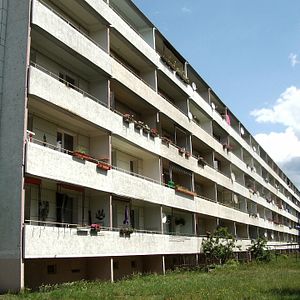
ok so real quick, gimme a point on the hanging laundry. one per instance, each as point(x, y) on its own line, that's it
point(227, 118)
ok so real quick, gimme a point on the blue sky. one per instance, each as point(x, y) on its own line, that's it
point(249, 53)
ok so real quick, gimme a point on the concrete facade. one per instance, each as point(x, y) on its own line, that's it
point(15, 36)
point(106, 129)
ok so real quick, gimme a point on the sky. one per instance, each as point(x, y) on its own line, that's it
point(249, 54)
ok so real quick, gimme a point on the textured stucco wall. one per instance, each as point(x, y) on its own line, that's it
point(12, 120)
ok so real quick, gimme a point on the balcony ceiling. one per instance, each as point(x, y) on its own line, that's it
point(127, 52)
point(64, 56)
point(62, 118)
point(134, 16)
point(130, 99)
point(80, 12)
point(124, 146)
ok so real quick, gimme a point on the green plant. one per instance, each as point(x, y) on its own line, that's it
point(126, 232)
point(259, 250)
point(171, 184)
point(219, 246)
point(81, 149)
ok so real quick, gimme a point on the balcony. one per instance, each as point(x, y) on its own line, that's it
point(64, 242)
point(65, 33)
point(46, 86)
point(45, 162)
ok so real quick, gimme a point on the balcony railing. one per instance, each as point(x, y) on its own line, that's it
point(76, 88)
point(76, 27)
point(30, 138)
point(131, 71)
point(81, 227)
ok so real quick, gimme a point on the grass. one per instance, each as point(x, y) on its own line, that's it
point(277, 280)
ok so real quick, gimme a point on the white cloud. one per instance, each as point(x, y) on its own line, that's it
point(285, 111)
point(293, 59)
point(283, 147)
point(186, 10)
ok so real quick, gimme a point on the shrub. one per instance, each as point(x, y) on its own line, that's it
point(259, 250)
point(219, 246)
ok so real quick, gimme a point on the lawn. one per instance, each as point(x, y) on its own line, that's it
point(279, 279)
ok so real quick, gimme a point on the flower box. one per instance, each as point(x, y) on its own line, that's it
point(104, 166)
point(166, 140)
point(183, 190)
point(182, 76)
point(168, 62)
point(83, 156)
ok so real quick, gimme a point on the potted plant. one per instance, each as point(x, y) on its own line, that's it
point(171, 184)
point(201, 161)
point(128, 118)
point(126, 232)
point(139, 124)
point(95, 228)
point(81, 153)
point(187, 154)
point(154, 132)
point(146, 128)
point(181, 150)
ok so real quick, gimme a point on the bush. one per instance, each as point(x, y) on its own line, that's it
point(218, 247)
point(259, 250)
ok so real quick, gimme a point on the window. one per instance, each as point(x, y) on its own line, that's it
point(65, 140)
point(68, 80)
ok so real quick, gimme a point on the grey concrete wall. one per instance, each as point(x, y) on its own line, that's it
point(12, 112)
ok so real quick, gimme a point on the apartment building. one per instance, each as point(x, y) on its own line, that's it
point(116, 157)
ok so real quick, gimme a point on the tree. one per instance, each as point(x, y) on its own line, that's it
point(219, 246)
point(259, 250)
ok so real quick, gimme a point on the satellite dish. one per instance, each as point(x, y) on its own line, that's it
point(242, 131)
point(164, 218)
point(190, 116)
point(213, 106)
point(194, 86)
